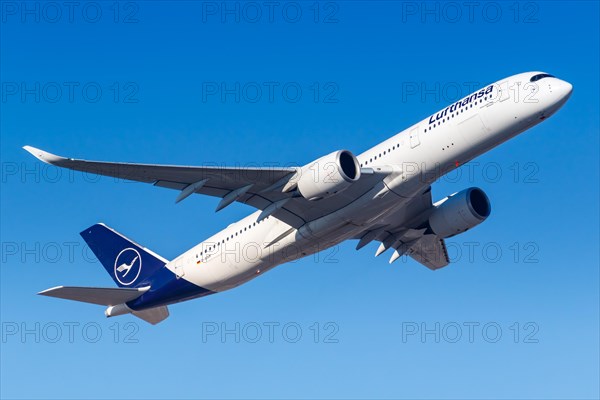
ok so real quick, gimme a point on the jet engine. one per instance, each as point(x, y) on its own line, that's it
point(328, 175)
point(460, 212)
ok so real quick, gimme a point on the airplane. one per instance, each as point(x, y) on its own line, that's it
point(381, 195)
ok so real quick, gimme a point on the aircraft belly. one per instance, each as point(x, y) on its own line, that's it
point(274, 242)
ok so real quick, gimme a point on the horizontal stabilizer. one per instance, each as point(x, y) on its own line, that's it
point(95, 295)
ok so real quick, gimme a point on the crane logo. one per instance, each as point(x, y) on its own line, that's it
point(128, 266)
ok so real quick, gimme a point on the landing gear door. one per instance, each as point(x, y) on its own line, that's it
point(473, 129)
point(414, 138)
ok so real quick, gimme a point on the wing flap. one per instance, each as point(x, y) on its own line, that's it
point(404, 232)
point(430, 251)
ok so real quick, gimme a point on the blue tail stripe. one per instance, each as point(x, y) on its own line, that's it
point(167, 289)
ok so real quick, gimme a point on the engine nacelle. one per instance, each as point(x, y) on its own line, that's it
point(328, 175)
point(460, 212)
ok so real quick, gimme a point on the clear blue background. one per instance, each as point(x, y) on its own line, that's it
point(370, 52)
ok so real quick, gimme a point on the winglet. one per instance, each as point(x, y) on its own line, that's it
point(50, 290)
point(44, 156)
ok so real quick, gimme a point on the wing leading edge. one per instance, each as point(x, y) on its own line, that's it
point(258, 187)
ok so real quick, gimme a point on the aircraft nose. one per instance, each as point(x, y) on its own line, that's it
point(565, 89)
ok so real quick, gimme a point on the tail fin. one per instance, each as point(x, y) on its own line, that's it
point(128, 263)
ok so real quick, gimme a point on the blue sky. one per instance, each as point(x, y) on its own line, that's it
point(177, 83)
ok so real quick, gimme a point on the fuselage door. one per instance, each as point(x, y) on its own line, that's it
point(414, 138)
point(474, 130)
point(504, 91)
point(179, 266)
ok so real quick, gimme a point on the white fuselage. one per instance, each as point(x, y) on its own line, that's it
point(418, 156)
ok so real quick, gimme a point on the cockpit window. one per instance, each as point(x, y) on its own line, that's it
point(540, 76)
